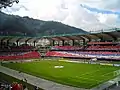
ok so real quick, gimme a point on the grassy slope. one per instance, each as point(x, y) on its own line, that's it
point(74, 74)
point(10, 79)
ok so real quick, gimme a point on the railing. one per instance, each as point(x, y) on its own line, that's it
point(105, 30)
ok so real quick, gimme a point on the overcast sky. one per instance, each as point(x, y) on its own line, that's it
point(86, 14)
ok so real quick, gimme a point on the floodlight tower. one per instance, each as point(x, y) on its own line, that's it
point(7, 3)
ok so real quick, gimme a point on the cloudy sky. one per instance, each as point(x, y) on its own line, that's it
point(86, 14)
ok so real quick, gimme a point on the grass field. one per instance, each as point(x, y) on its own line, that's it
point(73, 74)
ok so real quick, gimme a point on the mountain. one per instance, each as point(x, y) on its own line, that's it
point(12, 25)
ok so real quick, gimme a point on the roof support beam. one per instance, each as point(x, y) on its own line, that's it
point(115, 38)
point(17, 41)
point(26, 41)
point(89, 39)
point(8, 41)
point(59, 38)
point(97, 36)
point(2, 41)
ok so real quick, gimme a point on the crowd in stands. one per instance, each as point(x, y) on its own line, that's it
point(14, 86)
point(19, 55)
point(105, 50)
point(17, 48)
point(18, 52)
point(66, 47)
point(85, 54)
point(92, 49)
point(98, 47)
point(22, 48)
point(100, 43)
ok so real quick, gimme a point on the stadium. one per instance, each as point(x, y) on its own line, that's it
point(76, 61)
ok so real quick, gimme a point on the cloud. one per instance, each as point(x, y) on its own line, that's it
point(100, 10)
point(78, 13)
point(107, 17)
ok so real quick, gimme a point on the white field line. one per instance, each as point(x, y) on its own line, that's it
point(90, 72)
point(91, 84)
point(93, 71)
point(88, 78)
point(82, 76)
point(97, 81)
point(110, 73)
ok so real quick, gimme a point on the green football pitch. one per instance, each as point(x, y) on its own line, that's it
point(73, 74)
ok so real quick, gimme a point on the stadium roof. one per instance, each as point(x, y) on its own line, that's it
point(110, 34)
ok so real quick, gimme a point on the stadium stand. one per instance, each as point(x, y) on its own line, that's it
point(4, 85)
point(19, 55)
point(99, 50)
point(91, 43)
point(18, 52)
point(66, 47)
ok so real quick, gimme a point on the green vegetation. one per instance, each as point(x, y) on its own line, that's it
point(10, 79)
point(12, 25)
point(74, 74)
